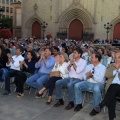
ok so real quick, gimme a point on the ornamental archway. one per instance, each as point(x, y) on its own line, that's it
point(75, 16)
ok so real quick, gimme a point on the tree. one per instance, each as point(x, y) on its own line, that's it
point(6, 23)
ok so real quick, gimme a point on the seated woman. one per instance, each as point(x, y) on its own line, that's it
point(61, 66)
point(3, 61)
point(3, 57)
point(28, 68)
point(113, 85)
point(88, 58)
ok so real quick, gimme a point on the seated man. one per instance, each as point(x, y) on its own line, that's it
point(75, 69)
point(113, 75)
point(45, 65)
point(94, 81)
point(14, 64)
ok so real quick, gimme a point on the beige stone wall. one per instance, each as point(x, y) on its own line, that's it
point(59, 13)
point(17, 19)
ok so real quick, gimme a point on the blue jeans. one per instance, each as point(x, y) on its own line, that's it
point(96, 88)
point(37, 80)
point(2, 73)
point(69, 83)
point(7, 75)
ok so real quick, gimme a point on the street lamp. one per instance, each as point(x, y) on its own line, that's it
point(107, 26)
point(44, 26)
point(1, 13)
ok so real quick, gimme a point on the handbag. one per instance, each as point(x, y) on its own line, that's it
point(55, 74)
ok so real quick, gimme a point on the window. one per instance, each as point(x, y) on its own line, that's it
point(3, 16)
point(7, 1)
point(3, 7)
point(50, 8)
point(11, 1)
point(7, 16)
point(3, 1)
point(7, 9)
point(11, 10)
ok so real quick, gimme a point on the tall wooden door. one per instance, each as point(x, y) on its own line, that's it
point(75, 29)
point(36, 29)
point(116, 34)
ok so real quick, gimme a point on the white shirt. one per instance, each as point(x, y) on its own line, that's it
point(81, 65)
point(116, 79)
point(98, 75)
point(84, 55)
point(61, 68)
point(16, 64)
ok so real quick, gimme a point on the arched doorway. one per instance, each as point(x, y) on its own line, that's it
point(116, 34)
point(36, 29)
point(75, 29)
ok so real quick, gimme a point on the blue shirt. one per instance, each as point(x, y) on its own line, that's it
point(50, 62)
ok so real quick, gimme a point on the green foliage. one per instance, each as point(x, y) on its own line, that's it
point(7, 23)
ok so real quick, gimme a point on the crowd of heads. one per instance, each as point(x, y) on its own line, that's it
point(57, 46)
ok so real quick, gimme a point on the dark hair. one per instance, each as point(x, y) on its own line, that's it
point(79, 51)
point(66, 50)
point(56, 48)
point(3, 50)
point(98, 55)
point(50, 49)
point(33, 55)
point(101, 50)
point(12, 43)
point(20, 48)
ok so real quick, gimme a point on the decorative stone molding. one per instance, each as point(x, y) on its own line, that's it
point(76, 12)
point(34, 18)
point(70, 14)
point(35, 7)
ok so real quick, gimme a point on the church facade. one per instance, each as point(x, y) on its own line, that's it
point(74, 19)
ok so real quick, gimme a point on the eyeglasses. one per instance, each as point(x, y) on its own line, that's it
point(93, 70)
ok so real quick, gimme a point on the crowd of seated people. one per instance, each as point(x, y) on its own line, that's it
point(77, 68)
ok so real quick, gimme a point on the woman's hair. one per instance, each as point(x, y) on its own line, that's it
point(66, 50)
point(91, 50)
point(33, 55)
point(3, 50)
point(65, 56)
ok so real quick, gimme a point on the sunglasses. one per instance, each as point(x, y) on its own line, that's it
point(93, 70)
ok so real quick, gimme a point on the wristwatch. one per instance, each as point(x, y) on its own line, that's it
point(71, 65)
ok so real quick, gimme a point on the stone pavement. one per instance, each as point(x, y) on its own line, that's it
point(30, 108)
